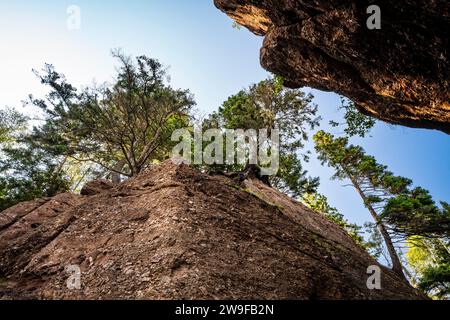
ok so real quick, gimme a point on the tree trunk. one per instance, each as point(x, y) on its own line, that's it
point(395, 260)
point(396, 263)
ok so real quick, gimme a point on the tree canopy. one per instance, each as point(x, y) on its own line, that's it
point(398, 209)
point(120, 128)
point(270, 105)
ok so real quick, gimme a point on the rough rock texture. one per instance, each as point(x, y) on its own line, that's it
point(399, 74)
point(175, 233)
point(96, 187)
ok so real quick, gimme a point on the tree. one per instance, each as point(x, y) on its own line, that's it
point(415, 213)
point(116, 129)
point(11, 123)
point(122, 126)
point(269, 105)
point(397, 209)
point(374, 242)
point(372, 181)
point(430, 262)
point(25, 172)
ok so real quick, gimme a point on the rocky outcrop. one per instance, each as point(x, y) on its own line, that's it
point(27, 228)
point(399, 73)
point(175, 233)
point(96, 187)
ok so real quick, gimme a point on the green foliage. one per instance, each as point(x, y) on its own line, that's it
point(319, 203)
point(269, 105)
point(117, 128)
point(398, 209)
point(430, 262)
point(11, 123)
point(27, 173)
point(236, 25)
point(351, 162)
point(374, 243)
point(291, 178)
point(407, 210)
point(437, 279)
point(357, 123)
point(122, 126)
point(415, 213)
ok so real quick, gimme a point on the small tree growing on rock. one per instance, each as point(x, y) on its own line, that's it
point(270, 105)
point(121, 126)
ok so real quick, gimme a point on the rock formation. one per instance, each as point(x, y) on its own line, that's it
point(96, 187)
point(175, 233)
point(399, 73)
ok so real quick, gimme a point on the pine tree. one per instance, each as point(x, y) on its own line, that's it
point(122, 126)
point(374, 184)
point(269, 105)
point(319, 203)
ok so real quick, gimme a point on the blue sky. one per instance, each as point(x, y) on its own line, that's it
point(204, 54)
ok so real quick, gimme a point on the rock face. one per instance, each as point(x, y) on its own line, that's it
point(175, 233)
point(399, 73)
point(96, 187)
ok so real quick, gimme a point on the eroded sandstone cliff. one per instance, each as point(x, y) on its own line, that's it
point(399, 73)
point(175, 233)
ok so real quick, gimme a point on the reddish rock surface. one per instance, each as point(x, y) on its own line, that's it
point(96, 187)
point(175, 233)
point(399, 74)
